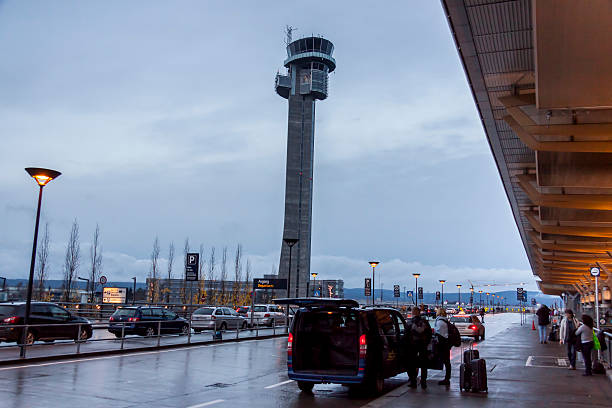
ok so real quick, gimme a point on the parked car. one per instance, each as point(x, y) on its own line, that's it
point(336, 341)
point(268, 315)
point(243, 310)
point(65, 325)
point(213, 318)
point(145, 321)
point(468, 326)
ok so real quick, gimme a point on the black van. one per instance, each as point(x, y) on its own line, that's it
point(336, 341)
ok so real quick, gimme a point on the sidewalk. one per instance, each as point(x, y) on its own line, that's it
point(521, 372)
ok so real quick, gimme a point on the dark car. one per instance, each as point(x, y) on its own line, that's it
point(56, 323)
point(243, 310)
point(145, 321)
point(335, 341)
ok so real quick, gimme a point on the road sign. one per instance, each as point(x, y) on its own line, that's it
point(103, 280)
point(114, 295)
point(368, 287)
point(595, 271)
point(420, 293)
point(524, 299)
point(519, 294)
point(533, 301)
point(396, 291)
point(191, 266)
point(437, 295)
point(269, 283)
point(409, 293)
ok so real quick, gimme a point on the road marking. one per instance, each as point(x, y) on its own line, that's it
point(278, 385)
point(206, 404)
point(528, 362)
point(562, 362)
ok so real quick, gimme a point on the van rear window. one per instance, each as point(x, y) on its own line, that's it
point(329, 321)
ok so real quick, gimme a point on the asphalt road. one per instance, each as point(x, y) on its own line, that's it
point(252, 372)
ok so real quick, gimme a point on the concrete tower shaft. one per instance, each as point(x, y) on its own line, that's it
point(309, 61)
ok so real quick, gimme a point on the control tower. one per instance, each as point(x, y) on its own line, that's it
point(309, 61)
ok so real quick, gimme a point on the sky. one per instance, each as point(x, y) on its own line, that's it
point(163, 119)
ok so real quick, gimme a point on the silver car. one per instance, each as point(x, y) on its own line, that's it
point(468, 327)
point(216, 318)
point(268, 315)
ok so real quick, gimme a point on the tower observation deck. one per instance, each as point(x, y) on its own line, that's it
point(309, 61)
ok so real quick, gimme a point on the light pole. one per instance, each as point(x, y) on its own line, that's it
point(442, 281)
point(134, 291)
point(87, 287)
point(459, 287)
point(290, 243)
point(480, 298)
point(373, 264)
point(314, 283)
point(471, 297)
point(488, 300)
point(416, 287)
point(42, 177)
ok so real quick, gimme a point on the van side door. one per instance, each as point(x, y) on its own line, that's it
point(389, 336)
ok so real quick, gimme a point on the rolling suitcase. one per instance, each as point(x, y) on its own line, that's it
point(478, 371)
point(469, 355)
point(465, 377)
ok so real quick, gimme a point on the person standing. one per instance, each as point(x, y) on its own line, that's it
point(444, 346)
point(420, 336)
point(585, 333)
point(543, 315)
point(567, 336)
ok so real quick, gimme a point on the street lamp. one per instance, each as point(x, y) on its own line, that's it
point(480, 297)
point(134, 291)
point(373, 264)
point(290, 243)
point(442, 281)
point(314, 281)
point(459, 287)
point(472, 296)
point(42, 178)
point(416, 286)
point(488, 300)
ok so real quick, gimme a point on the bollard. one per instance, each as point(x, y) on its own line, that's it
point(22, 351)
point(122, 333)
point(158, 332)
point(257, 329)
point(189, 332)
point(79, 339)
point(237, 331)
point(273, 325)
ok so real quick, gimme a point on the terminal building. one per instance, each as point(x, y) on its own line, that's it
point(540, 72)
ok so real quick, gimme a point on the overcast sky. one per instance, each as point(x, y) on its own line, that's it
point(163, 119)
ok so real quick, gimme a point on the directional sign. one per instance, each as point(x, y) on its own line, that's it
point(270, 283)
point(420, 293)
point(191, 266)
point(368, 286)
point(114, 295)
point(437, 295)
point(396, 291)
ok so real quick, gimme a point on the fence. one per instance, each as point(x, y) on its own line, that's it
point(606, 355)
point(45, 340)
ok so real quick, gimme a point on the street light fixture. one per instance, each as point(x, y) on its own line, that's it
point(314, 282)
point(290, 243)
point(42, 178)
point(480, 297)
point(87, 287)
point(488, 299)
point(442, 281)
point(459, 287)
point(373, 264)
point(416, 287)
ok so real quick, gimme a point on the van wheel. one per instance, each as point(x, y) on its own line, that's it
point(376, 384)
point(305, 386)
point(30, 337)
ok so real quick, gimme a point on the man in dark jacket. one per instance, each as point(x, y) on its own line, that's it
point(543, 315)
point(420, 337)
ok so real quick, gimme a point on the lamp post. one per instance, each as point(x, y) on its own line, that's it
point(416, 287)
point(314, 283)
point(480, 298)
point(459, 288)
point(42, 177)
point(488, 300)
point(373, 264)
point(471, 297)
point(290, 243)
point(442, 281)
point(86, 287)
point(134, 291)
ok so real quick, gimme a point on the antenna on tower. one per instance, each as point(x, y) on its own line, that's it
point(289, 34)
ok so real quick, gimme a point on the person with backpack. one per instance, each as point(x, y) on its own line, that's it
point(585, 334)
point(441, 329)
point(420, 336)
point(567, 336)
point(482, 314)
point(543, 315)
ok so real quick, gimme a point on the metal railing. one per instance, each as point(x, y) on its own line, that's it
point(606, 355)
point(46, 340)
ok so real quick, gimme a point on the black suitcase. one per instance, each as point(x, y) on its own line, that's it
point(478, 369)
point(465, 377)
point(469, 355)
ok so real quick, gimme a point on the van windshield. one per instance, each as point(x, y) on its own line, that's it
point(327, 341)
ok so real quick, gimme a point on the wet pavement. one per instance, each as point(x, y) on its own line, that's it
point(521, 373)
point(251, 372)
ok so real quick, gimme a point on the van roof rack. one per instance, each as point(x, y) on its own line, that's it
point(314, 301)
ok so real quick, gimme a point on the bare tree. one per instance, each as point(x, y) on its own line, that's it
point(72, 260)
point(183, 289)
point(212, 263)
point(236, 289)
point(42, 266)
point(247, 282)
point(201, 277)
point(154, 271)
point(223, 278)
point(95, 257)
point(170, 262)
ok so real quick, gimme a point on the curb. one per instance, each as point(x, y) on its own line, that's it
point(79, 356)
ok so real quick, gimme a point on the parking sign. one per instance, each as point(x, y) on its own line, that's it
point(191, 266)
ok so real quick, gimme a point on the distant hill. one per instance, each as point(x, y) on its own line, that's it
point(453, 297)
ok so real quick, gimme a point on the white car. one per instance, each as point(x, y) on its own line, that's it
point(216, 318)
point(268, 315)
point(467, 327)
